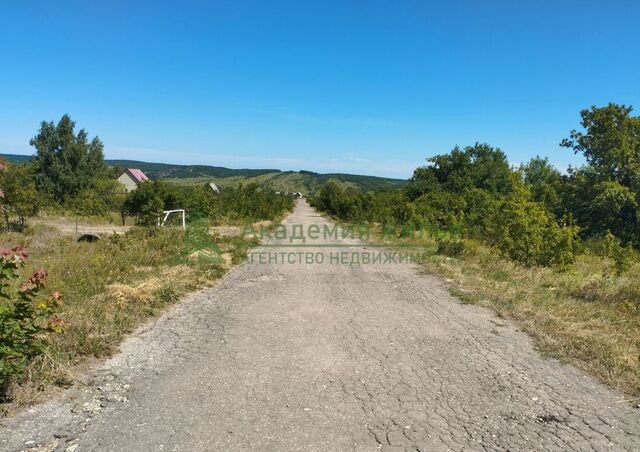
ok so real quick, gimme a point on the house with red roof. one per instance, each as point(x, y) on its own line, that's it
point(131, 178)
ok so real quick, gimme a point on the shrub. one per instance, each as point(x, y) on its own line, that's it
point(18, 194)
point(330, 197)
point(442, 209)
point(244, 203)
point(480, 207)
point(611, 247)
point(623, 259)
point(527, 233)
point(145, 203)
point(104, 196)
point(24, 315)
point(409, 217)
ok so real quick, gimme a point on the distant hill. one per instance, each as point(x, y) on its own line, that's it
point(303, 181)
point(171, 171)
point(15, 158)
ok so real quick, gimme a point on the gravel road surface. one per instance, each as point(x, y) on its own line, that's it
point(330, 357)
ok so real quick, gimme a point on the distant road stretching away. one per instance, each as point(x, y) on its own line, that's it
point(329, 357)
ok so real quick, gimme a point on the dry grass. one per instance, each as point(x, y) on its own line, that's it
point(109, 288)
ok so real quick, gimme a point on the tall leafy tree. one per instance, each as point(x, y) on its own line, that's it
point(66, 162)
point(605, 194)
point(479, 166)
point(610, 143)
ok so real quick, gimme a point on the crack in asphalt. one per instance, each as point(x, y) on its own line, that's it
point(328, 357)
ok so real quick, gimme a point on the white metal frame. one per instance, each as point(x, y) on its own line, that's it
point(169, 212)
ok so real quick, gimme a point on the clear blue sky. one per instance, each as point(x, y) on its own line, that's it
point(370, 87)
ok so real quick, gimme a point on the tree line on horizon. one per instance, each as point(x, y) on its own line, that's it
point(532, 213)
point(68, 174)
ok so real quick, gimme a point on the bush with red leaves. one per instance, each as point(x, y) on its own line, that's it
point(26, 315)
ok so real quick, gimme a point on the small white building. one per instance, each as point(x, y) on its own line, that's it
point(131, 178)
point(213, 187)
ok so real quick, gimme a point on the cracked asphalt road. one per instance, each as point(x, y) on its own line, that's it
point(329, 357)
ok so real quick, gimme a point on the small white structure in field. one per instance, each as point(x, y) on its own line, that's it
point(131, 178)
point(162, 221)
point(213, 187)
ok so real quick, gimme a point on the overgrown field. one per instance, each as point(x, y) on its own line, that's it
point(63, 301)
point(108, 288)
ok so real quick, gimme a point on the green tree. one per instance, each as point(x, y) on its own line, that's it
point(66, 162)
point(614, 208)
point(20, 197)
point(544, 182)
point(605, 194)
point(330, 197)
point(145, 203)
point(610, 143)
point(104, 196)
point(479, 166)
point(422, 181)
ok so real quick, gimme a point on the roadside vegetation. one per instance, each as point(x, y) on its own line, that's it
point(557, 252)
point(62, 301)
